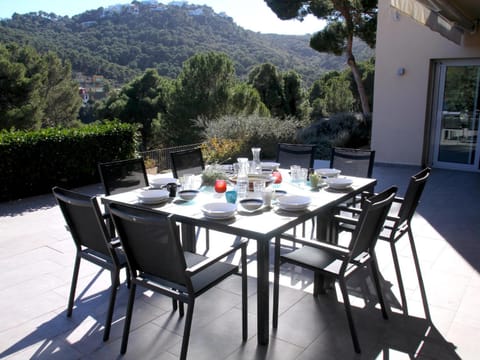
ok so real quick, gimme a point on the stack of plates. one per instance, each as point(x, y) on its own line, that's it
point(328, 172)
point(219, 210)
point(293, 202)
point(158, 182)
point(152, 196)
point(339, 183)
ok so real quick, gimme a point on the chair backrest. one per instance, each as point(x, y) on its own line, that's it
point(187, 162)
point(295, 154)
point(413, 194)
point(371, 221)
point(124, 175)
point(353, 162)
point(150, 242)
point(84, 219)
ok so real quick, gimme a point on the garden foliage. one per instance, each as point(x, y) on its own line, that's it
point(35, 161)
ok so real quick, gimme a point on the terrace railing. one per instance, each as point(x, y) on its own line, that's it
point(161, 157)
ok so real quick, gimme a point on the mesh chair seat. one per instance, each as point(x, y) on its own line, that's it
point(92, 241)
point(158, 262)
point(398, 223)
point(336, 262)
point(295, 154)
point(187, 162)
point(122, 176)
point(353, 162)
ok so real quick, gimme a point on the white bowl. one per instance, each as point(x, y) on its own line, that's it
point(161, 181)
point(152, 196)
point(187, 195)
point(279, 193)
point(328, 172)
point(293, 202)
point(251, 204)
point(339, 183)
point(219, 210)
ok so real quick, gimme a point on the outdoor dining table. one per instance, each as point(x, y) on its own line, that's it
point(261, 226)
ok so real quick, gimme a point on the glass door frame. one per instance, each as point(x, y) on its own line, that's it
point(437, 114)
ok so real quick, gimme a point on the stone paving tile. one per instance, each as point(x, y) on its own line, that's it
point(36, 260)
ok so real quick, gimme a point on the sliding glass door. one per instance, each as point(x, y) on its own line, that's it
point(456, 144)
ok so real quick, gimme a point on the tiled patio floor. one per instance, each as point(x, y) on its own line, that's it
point(36, 260)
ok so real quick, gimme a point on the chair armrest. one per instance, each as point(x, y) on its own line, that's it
point(115, 242)
point(398, 199)
point(210, 261)
point(349, 209)
point(345, 219)
point(336, 249)
point(393, 218)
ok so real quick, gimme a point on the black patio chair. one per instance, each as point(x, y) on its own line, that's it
point(353, 162)
point(187, 162)
point(295, 154)
point(92, 241)
point(336, 262)
point(399, 223)
point(158, 262)
point(123, 175)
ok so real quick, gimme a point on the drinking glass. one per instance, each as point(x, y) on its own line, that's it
point(267, 196)
point(295, 173)
point(187, 181)
point(258, 186)
point(303, 175)
point(231, 196)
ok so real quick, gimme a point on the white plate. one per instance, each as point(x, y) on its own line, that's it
point(270, 165)
point(339, 183)
point(293, 202)
point(328, 172)
point(152, 196)
point(219, 210)
point(161, 181)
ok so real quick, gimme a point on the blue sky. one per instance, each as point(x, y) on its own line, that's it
point(253, 15)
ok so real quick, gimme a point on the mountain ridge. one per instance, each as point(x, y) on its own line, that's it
point(121, 42)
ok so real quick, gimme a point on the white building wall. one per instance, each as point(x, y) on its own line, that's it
point(400, 102)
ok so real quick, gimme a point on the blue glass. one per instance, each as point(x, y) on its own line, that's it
point(231, 196)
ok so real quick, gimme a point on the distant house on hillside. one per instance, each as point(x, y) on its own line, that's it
point(91, 87)
point(178, 3)
point(196, 12)
point(87, 24)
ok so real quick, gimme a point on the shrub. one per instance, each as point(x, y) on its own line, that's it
point(218, 150)
point(35, 161)
point(245, 132)
point(343, 130)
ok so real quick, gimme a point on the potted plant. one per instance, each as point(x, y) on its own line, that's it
point(151, 166)
point(212, 173)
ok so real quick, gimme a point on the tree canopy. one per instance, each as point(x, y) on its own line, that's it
point(123, 45)
point(37, 90)
point(346, 19)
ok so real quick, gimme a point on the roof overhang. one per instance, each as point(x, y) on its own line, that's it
point(450, 18)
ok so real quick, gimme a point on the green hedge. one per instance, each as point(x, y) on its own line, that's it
point(33, 162)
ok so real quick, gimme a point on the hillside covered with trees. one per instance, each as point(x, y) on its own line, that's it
point(122, 43)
